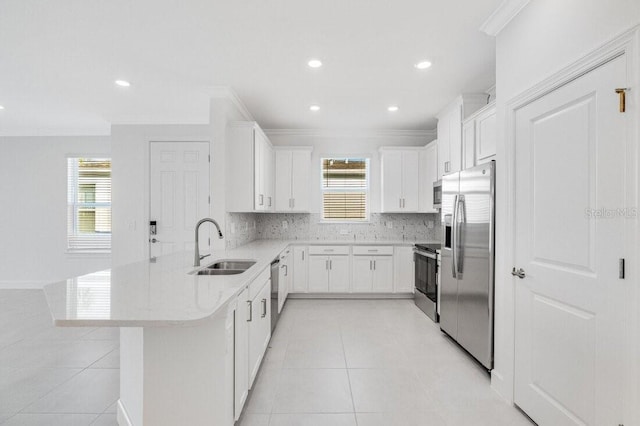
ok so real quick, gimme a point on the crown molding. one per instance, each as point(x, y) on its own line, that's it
point(226, 92)
point(501, 17)
point(333, 133)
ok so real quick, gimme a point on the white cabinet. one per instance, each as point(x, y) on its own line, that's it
point(259, 327)
point(400, 179)
point(428, 175)
point(300, 270)
point(372, 269)
point(479, 136)
point(250, 180)
point(450, 131)
point(404, 269)
point(328, 269)
point(292, 179)
point(241, 353)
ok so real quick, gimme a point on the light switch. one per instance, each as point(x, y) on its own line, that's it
point(389, 224)
point(285, 225)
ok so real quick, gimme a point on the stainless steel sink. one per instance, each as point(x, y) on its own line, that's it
point(219, 272)
point(226, 267)
point(240, 265)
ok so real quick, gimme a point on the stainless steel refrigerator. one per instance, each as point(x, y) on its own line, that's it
point(467, 279)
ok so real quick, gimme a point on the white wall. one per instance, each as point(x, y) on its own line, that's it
point(545, 37)
point(33, 216)
point(334, 145)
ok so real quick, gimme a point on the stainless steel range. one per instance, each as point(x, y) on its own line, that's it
point(425, 258)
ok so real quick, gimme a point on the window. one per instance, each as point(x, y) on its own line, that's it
point(89, 204)
point(345, 188)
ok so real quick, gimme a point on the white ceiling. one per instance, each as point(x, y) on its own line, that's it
point(59, 58)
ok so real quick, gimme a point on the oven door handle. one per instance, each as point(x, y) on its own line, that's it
point(425, 254)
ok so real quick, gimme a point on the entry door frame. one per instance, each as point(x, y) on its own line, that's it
point(147, 174)
point(503, 376)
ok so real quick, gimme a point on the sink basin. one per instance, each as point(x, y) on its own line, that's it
point(219, 271)
point(226, 267)
point(241, 265)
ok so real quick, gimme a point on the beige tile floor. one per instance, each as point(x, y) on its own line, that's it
point(369, 363)
point(330, 363)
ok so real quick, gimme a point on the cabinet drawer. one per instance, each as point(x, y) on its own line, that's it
point(328, 250)
point(257, 284)
point(372, 250)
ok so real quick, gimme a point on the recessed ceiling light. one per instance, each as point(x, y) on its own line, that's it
point(423, 65)
point(314, 108)
point(123, 83)
point(393, 108)
point(1, 107)
point(314, 63)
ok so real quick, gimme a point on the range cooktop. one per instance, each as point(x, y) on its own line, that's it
point(429, 247)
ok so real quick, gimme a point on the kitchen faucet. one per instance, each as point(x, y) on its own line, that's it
point(196, 261)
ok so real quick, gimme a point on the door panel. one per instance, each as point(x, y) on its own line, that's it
point(383, 274)
point(338, 274)
point(570, 158)
point(283, 180)
point(318, 274)
point(410, 181)
point(300, 180)
point(391, 181)
point(449, 284)
point(179, 194)
point(362, 271)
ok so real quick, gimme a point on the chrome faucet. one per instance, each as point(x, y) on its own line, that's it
point(196, 261)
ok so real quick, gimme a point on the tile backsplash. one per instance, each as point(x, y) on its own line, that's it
point(382, 226)
point(241, 228)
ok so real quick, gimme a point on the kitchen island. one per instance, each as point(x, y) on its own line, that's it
point(177, 332)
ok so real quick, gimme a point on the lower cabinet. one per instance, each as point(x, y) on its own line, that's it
point(252, 332)
point(328, 274)
point(300, 275)
point(372, 274)
point(404, 270)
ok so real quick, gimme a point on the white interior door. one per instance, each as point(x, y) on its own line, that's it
point(570, 316)
point(179, 194)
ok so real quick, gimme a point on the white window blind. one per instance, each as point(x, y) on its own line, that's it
point(89, 204)
point(345, 187)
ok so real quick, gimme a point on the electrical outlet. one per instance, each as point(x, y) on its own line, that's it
point(344, 232)
point(285, 225)
point(389, 224)
point(233, 227)
point(254, 224)
point(430, 224)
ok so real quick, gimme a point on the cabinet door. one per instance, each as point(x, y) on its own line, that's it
point(259, 329)
point(339, 274)
point(468, 144)
point(283, 180)
point(282, 283)
point(486, 136)
point(241, 353)
point(362, 274)
point(428, 175)
point(301, 181)
point(391, 181)
point(382, 274)
point(269, 178)
point(410, 181)
point(300, 270)
point(404, 270)
point(318, 274)
point(443, 145)
point(258, 184)
point(455, 139)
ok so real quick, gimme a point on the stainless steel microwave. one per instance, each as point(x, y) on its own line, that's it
point(437, 194)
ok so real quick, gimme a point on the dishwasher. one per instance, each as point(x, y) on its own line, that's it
point(275, 272)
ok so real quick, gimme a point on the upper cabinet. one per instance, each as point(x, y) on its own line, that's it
point(250, 160)
point(428, 176)
point(293, 179)
point(450, 131)
point(479, 137)
point(400, 179)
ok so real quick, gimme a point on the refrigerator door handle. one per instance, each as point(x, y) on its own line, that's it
point(454, 237)
point(461, 217)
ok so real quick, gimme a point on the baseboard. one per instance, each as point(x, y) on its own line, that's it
point(350, 296)
point(499, 386)
point(122, 417)
point(23, 285)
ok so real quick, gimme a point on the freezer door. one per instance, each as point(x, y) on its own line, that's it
point(448, 281)
point(475, 219)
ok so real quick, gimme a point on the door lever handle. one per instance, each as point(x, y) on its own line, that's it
point(519, 273)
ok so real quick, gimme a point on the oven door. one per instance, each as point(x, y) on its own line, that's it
point(426, 268)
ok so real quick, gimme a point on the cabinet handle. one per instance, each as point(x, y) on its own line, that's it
point(302, 254)
point(330, 264)
point(370, 265)
point(400, 201)
point(374, 265)
point(250, 303)
point(328, 250)
point(372, 250)
point(326, 265)
point(293, 203)
point(261, 200)
point(269, 201)
point(290, 205)
point(286, 270)
point(264, 308)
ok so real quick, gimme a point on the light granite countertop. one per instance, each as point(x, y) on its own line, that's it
point(161, 291)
